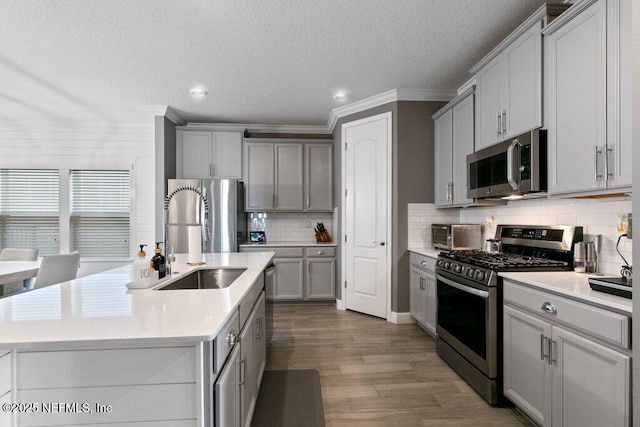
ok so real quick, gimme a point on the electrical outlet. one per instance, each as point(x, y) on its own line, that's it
point(629, 236)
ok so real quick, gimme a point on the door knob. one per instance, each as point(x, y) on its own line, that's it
point(381, 243)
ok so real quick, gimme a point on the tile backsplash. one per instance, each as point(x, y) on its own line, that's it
point(596, 216)
point(291, 227)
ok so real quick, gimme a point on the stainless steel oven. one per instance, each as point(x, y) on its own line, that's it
point(469, 295)
point(468, 321)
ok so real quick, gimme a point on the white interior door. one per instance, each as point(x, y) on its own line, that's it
point(367, 214)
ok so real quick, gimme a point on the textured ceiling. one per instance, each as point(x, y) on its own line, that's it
point(261, 61)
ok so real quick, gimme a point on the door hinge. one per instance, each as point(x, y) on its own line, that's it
point(345, 146)
point(345, 284)
point(345, 238)
point(345, 192)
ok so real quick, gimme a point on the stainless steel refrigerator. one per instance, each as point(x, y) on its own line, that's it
point(227, 222)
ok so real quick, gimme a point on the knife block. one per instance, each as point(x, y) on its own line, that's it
point(323, 237)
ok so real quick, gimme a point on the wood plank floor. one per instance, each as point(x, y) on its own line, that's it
point(376, 373)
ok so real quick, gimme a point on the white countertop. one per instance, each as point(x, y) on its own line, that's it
point(574, 286)
point(430, 252)
point(286, 244)
point(99, 310)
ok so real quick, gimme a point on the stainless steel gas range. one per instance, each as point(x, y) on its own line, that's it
point(469, 292)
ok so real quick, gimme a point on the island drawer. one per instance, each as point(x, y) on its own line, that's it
point(321, 252)
point(250, 300)
point(5, 373)
point(133, 366)
point(600, 323)
point(287, 252)
point(224, 342)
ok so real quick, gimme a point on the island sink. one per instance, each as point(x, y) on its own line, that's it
point(212, 278)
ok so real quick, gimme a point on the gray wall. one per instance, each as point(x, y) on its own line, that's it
point(635, 135)
point(412, 181)
point(165, 147)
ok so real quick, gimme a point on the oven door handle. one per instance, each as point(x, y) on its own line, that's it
point(463, 288)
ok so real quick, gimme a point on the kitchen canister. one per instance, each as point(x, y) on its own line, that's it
point(579, 257)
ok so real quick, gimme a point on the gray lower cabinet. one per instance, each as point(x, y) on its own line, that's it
point(238, 384)
point(288, 280)
point(227, 392)
point(423, 300)
point(566, 363)
point(301, 273)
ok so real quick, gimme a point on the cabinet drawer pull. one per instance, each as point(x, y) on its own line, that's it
point(321, 252)
point(547, 307)
point(423, 263)
point(232, 338)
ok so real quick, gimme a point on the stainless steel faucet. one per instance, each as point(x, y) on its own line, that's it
point(204, 220)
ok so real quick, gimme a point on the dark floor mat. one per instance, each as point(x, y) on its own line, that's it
point(289, 398)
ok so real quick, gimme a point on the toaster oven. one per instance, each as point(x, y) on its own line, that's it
point(456, 236)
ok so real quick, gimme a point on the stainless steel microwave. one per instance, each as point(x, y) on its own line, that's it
point(514, 167)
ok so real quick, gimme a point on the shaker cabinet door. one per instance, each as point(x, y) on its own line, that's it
point(443, 154)
point(260, 175)
point(289, 189)
point(575, 100)
point(489, 104)
point(227, 156)
point(318, 177)
point(197, 154)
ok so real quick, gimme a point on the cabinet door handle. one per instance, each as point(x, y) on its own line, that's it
point(210, 169)
point(503, 119)
point(544, 346)
point(553, 352)
point(606, 163)
point(308, 201)
point(499, 123)
point(547, 307)
point(243, 372)
point(258, 324)
point(596, 154)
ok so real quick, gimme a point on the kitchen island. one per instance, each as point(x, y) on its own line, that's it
point(91, 351)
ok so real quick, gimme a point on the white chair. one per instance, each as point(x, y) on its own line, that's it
point(57, 269)
point(18, 254)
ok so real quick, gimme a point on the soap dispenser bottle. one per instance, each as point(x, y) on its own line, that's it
point(158, 262)
point(140, 270)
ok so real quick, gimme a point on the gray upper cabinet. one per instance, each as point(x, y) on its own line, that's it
point(509, 82)
point(259, 176)
point(209, 154)
point(318, 162)
point(288, 177)
point(281, 175)
point(454, 140)
point(588, 99)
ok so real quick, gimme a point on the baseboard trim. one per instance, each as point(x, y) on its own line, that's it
point(340, 305)
point(401, 318)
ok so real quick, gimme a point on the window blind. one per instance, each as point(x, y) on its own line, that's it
point(29, 209)
point(100, 213)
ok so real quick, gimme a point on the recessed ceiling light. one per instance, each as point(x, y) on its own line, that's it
point(196, 91)
point(340, 96)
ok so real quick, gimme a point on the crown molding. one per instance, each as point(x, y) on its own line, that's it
point(393, 95)
point(165, 110)
point(239, 127)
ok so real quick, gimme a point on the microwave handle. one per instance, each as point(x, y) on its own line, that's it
point(511, 165)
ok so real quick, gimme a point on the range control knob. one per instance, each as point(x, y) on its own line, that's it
point(479, 275)
point(447, 265)
point(457, 268)
point(470, 272)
